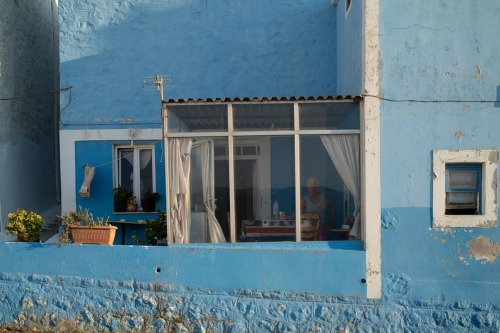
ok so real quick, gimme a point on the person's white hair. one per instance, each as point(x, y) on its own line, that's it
point(312, 182)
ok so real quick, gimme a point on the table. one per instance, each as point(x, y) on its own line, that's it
point(122, 228)
point(268, 230)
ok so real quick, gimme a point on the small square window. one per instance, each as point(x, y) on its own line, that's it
point(465, 188)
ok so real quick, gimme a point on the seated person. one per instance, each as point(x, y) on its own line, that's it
point(317, 202)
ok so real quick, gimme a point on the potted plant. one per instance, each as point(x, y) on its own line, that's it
point(155, 230)
point(26, 226)
point(120, 197)
point(81, 227)
point(131, 204)
point(149, 201)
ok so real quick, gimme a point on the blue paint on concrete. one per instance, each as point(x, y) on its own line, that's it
point(100, 154)
point(436, 263)
point(264, 267)
point(439, 76)
point(212, 49)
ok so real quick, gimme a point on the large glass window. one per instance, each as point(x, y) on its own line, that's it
point(264, 186)
point(278, 171)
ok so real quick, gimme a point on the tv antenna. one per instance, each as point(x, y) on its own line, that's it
point(160, 82)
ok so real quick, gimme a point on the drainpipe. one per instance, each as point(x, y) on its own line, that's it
point(57, 97)
point(1, 218)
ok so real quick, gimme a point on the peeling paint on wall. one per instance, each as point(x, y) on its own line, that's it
point(483, 248)
point(390, 220)
point(478, 73)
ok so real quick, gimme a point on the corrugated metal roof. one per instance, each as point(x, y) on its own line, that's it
point(354, 98)
point(262, 113)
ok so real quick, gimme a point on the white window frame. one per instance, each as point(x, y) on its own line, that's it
point(370, 176)
point(136, 164)
point(231, 135)
point(489, 161)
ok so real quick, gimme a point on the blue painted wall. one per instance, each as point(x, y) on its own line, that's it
point(100, 203)
point(349, 48)
point(440, 73)
point(100, 154)
point(439, 77)
point(212, 49)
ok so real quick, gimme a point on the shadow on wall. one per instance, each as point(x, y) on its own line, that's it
point(245, 53)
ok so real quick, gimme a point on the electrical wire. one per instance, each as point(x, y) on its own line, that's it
point(430, 101)
point(124, 156)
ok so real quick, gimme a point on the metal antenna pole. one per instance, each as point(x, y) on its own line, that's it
point(159, 84)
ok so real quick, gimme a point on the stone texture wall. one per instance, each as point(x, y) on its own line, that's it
point(64, 303)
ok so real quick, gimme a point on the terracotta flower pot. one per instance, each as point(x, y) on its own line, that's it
point(83, 234)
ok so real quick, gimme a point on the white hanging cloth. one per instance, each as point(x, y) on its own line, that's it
point(88, 176)
point(344, 153)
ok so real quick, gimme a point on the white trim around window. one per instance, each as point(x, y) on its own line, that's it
point(142, 162)
point(488, 159)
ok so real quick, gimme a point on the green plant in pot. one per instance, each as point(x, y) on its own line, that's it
point(149, 200)
point(132, 204)
point(80, 226)
point(120, 198)
point(26, 226)
point(155, 230)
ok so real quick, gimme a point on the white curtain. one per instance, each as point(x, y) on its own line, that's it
point(178, 192)
point(214, 229)
point(145, 157)
point(344, 153)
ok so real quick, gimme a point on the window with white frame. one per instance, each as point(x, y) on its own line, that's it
point(246, 172)
point(134, 170)
point(464, 188)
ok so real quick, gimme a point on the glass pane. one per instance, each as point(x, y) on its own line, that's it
point(264, 190)
point(323, 191)
point(199, 221)
point(197, 118)
point(462, 179)
point(258, 117)
point(461, 198)
point(221, 187)
point(339, 115)
point(146, 172)
point(126, 168)
point(209, 189)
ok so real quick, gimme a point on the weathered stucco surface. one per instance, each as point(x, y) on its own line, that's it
point(483, 248)
point(64, 304)
point(438, 73)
